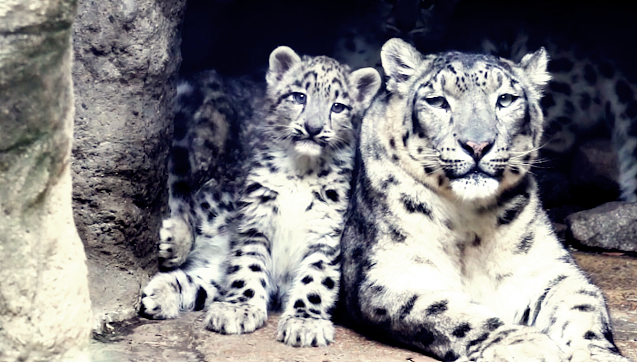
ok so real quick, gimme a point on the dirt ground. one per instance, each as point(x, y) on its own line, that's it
point(185, 340)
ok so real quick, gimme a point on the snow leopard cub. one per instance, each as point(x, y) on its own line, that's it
point(447, 248)
point(271, 239)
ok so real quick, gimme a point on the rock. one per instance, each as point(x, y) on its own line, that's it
point(126, 57)
point(612, 226)
point(45, 310)
point(594, 173)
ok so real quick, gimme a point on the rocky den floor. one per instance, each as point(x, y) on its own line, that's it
point(185, 340)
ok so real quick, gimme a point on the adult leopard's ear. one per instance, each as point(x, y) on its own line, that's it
point(400, 61)
point(282, 59)
point(535, 67)
point(366, 82)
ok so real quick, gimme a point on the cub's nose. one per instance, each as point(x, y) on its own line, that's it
point(313, 129)
point(476, 149)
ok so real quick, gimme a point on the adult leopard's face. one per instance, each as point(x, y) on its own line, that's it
point(314, 100)
point(466, 124)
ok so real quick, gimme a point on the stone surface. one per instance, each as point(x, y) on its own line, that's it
point(612, 226)
point(45, 312)
point(126, 56)
point(185, 340)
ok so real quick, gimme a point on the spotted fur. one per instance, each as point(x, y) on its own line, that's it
point(269, 239)
point(446, 247)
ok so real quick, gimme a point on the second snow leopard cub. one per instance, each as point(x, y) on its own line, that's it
point(278, 249)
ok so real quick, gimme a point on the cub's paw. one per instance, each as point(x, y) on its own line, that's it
point(237, 318)
point(304, 332)
point(519, 344)
point(160, 298)
point(175, 242)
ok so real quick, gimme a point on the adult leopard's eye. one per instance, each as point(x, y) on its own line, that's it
point(338, 107)
point(299, 98)
point(505, 100)
point(438, 102)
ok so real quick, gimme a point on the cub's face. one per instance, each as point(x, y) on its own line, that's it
point(470, 124)
point(315, 100)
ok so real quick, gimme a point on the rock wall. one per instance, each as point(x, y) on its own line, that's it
point(126, 61)
point(45, 312)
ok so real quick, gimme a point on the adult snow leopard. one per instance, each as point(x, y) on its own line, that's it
point(446, 247)
point(270, 238)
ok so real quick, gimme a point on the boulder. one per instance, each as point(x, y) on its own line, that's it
point(45, 310)
point(612, 226)
point(126, 57)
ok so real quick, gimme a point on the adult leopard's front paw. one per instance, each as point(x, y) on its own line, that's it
point(519, 343)
point(596, 354)
point(175, 243)
point(235, 318)
point(304, 332)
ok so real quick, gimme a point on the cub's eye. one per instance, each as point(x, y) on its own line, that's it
point(338, 107)
point(505, 100)
point(437, 102)
point(299, 98)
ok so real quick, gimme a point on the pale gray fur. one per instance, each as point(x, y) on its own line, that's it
point(446, 247)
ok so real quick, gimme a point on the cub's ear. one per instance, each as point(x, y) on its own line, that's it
point(400, 61)
point(366, 82)
point(281, 60)
point(534, 66)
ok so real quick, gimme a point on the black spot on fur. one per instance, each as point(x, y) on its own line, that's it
point(233, 269)
point(589, 74)
point(328, 282)
point(560, 87)
point(450, 356)
point(237, 284)
point(299, 304)
point(492, 324)
point(255, 268)
point(525, 317)
point(324, 173)
point(307, 279)
point(263, 283)
point(590, 335)
point(253, 187)
point(332, 195)
point(392, 143)
point(525, 244)
point(478, 340)
point(437, 308)
point(396, 234)
point(200, 301)
point(314, 298)
point(584, 308)
point(380, 311)
point(318, 265)
point(512, 213)
point(413, 206)
point(249, 293)
point(406, 309)
point(623, 91)
point(461, 330)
